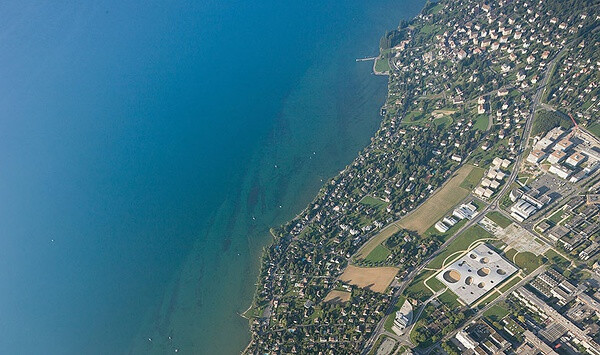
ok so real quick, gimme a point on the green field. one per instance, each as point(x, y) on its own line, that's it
point(429, 28)
point(528, 262)
point(481, 122)
point(509, 254)
point(442, 121)
point(435, 284)
point(473, 179)
point(499, 219)
point(510, 284)
point(382, 65)
point(488, 298)
point(413, 116)
point(557, 259)
point(462, 242)
point(380, 253)
point(556, 217)
point(437, 8)
point(594, 128)
point(496, 313)
point(417, 288)
point(374, 202)
point(450, 299)
point(389, 321)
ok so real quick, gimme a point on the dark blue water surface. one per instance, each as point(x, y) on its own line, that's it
point(146, 148)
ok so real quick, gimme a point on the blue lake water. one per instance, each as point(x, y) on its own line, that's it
point(146, 149)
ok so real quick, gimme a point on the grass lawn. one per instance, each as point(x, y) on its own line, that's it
point(510, 284)
point(479, 204)
point(505, 201)
point(413, 116)
point(528, 261)
point(437, 8)
point(499, 219)
point(556, 217)
point(389, 321)
point(481, 122)
point(380, 253)
point(462, 242)
point(382, 65)
point(473, 179)
point(305, 231)
point(429, 28)
point(496, 313)
point(442, 121)
point(450, 299)
point(435, 284)
point(594, 128)
point(489, 298)
point(510, 254)
point(417, 288)
point(378, 239)
point(374, 202)
point(557, 259)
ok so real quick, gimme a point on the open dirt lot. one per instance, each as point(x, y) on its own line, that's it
point(374, 278)
point(337, 296)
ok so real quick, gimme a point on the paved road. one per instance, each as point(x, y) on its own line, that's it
point(480, 313)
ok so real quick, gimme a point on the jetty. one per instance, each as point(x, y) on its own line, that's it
point(366, 59)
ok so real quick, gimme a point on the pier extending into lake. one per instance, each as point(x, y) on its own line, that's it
point(365, 59)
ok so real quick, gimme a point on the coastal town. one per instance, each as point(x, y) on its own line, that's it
point(471, 222)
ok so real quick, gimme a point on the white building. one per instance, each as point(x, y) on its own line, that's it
point(479, 191)
point(536, 156)
point(466, 340)
point(543, 144)
point(557, 156)
point(441, 227)
point(488, 193)
point(561, 171)
point(449, 221)
point(564, 144)
point(522, 210)
point(575, 159)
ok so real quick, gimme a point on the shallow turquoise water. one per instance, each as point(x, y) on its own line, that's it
point(138, 154)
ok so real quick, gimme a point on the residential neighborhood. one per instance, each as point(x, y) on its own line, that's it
point(470, 223)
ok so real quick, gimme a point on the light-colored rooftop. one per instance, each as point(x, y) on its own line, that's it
point(476, 273)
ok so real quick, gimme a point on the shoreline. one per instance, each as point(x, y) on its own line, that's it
point(272, 230)
point(381, 73)
point(299, 214)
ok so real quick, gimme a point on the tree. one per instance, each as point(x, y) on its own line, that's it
point(546, 120)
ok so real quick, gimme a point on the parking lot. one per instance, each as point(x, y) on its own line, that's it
point(551, 185)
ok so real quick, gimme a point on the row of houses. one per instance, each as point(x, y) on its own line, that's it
point(493, 179)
